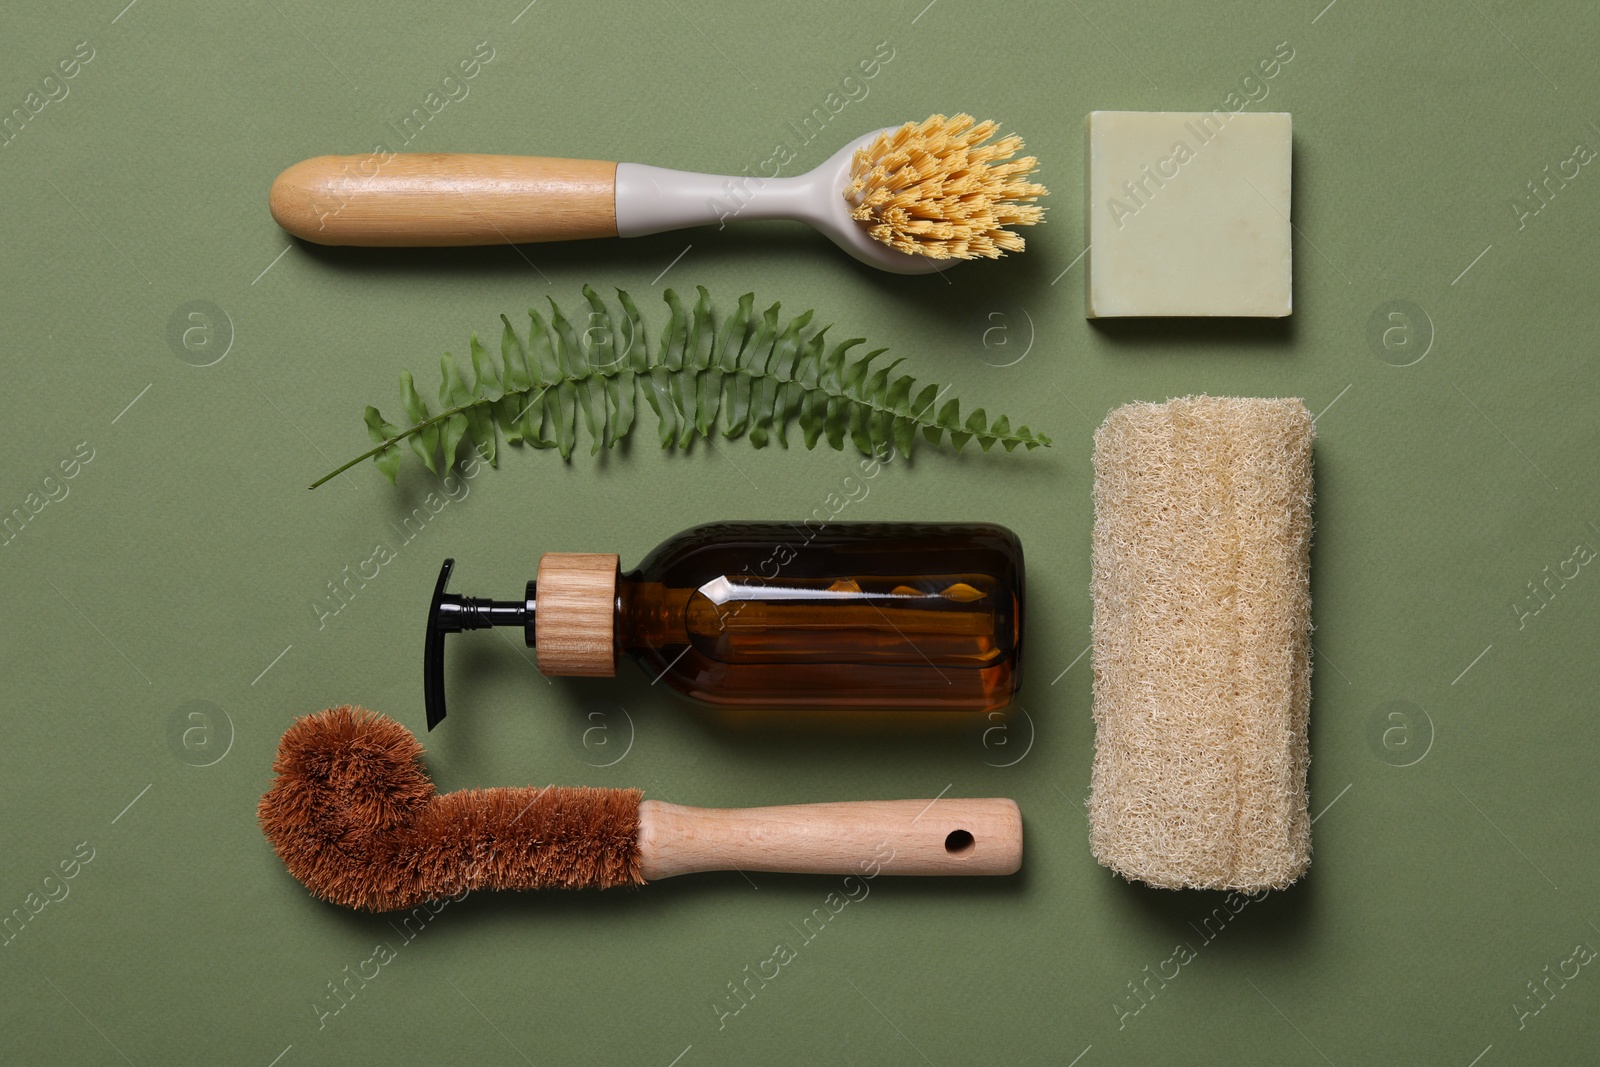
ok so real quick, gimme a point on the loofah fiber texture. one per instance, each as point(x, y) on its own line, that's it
point(354, 817)
point(933, 188)
point(1201, 642)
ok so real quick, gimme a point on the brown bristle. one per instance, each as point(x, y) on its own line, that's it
point(935, 189)
point(353, 815)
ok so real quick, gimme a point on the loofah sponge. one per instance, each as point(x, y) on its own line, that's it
point(1201, 642)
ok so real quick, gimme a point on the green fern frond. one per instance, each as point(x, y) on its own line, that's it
point(752, 373)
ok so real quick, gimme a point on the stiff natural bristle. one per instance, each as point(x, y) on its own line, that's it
point(935, 189)
point(353, 815)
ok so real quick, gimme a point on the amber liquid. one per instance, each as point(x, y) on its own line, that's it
point(854, 615)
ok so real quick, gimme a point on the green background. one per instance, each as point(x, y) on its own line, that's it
point(185, 560)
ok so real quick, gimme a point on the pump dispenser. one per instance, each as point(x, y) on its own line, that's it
point(776, 615)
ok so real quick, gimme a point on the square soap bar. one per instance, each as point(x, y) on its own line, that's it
point(1187, 213)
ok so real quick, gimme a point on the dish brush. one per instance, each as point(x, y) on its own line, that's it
point(910, 199)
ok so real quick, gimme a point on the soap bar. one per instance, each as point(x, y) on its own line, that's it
point(1187, 213)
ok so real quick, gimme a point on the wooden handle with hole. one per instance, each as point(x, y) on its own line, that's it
point(863, 838)
point(420, 199)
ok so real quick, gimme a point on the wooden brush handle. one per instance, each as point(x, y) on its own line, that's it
point(436, 199)
point(891, 836)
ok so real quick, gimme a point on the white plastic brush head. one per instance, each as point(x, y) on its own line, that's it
point(911, 199)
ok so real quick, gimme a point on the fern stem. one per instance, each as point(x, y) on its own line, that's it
point(418, 428)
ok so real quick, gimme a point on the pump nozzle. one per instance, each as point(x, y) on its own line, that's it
point(451, 613)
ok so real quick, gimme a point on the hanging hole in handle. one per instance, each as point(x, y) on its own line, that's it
point(958, 842)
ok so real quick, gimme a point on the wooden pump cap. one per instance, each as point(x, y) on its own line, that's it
point(574, 617)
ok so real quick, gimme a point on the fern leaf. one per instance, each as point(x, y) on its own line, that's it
point(748, 375)
point(387, 456)
point(453, 393)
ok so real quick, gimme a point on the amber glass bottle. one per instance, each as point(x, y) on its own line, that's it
point(776, 615)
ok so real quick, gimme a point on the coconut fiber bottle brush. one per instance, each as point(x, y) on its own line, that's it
point(910, 199)
point(353, 815)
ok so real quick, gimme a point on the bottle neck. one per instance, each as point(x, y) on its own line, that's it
point(475, 613)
